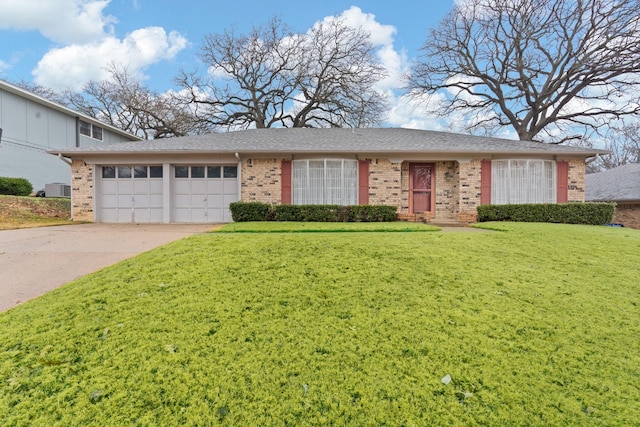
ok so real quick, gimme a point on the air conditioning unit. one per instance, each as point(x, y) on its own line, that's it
point(57, 190)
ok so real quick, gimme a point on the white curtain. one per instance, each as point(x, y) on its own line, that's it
point(523, 181)
point(325, 181)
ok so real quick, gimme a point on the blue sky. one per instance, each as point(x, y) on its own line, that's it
point(64, 43)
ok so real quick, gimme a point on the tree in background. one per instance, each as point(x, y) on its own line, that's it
point(551, 70)
point(624, 145)
point(272, 77)
point(124, 102)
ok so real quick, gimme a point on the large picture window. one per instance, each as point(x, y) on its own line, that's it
point(325, 182)
point(523, 181)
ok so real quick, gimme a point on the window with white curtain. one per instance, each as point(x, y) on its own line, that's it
point(523, 181)
point(325, 182)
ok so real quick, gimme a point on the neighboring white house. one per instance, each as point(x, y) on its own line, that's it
point(31, 125)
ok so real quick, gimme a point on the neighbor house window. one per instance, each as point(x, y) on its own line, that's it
point(92, 131)
point(325, 181)
point(523, 181)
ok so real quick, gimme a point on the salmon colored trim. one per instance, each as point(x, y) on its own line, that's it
point(285, 182)
point(363, 182)
point(562, 182)
point(485, 182)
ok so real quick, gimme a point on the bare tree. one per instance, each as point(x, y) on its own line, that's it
point(43, 91)
point(273, 77)
point(543, 67)
point(624, 145)
point(124, 102)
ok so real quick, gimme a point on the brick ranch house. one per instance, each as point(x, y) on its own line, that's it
point(620, 185)
point(433, 176)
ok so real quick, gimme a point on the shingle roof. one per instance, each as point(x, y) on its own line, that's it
point(614, 185)
point(333, 140)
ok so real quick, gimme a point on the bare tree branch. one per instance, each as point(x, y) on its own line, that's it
point(272, 77)
point(535, 65)
point(124, 102)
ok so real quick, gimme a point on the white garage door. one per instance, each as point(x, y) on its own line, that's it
point(130, 194)
point(202, 194)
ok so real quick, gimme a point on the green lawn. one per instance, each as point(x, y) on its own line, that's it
point(312, 227)
point(538, 325)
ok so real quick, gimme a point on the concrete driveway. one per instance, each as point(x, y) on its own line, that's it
point(34, 261)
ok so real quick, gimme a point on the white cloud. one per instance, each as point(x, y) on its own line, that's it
point(3, 66)
point(73, 66)
point(381, 35)
point(62, 21)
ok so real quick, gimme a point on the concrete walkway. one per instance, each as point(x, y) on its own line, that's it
point(34, 261)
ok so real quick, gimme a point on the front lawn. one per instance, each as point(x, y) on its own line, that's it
point(537, 325)
point(312, 227)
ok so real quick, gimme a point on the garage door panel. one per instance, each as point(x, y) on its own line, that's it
point(198, 201)
point(156, 214)
point(181, 201)
point(181, 186)
point(109, 215)
point(109, 187)
point(209, 195)
point(109, 201)
point(230, 187)
point(230, 198)
point(216, 215)
point(215, 186)
point(155, 201)
point(199, 186)
point(124, 201)
point(125, 187)
point(141, 201)
point(155, 186)
point(128, 199)
point(142, 215)
point(140, 186)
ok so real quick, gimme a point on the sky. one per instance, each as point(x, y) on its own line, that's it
point(62, 44)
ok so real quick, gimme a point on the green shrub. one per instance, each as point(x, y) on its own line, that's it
point(252, 211)
point(15, 186)
point(370, 213)
point(565, 213)
point(249, 211)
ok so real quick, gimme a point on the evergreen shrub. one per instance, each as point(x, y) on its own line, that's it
point(591, 213)
point(15, 186)
point(254, 211)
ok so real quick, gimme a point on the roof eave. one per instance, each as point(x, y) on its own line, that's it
point(61, 108)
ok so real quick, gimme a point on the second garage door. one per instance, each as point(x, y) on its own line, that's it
point(202, 193)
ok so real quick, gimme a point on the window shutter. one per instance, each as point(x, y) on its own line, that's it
point(563, 181)
point(485, 182)
point(285, 182)
point(363, 182)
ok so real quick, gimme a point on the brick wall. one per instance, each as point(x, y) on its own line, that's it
point(446, 193)
point(261, 181)
point(628, 214)
point(469, 192)
point(384, 182)
point(81, 191)
point(576, 181)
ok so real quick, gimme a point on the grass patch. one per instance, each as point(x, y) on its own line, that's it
point(310, 227)
point(26, 212)
point(535, 326)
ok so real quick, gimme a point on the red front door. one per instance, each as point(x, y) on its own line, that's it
point(420, 187)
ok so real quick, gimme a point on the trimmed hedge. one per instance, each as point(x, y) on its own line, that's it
point(255, 211)
point(566, 213)
point(15, 186)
